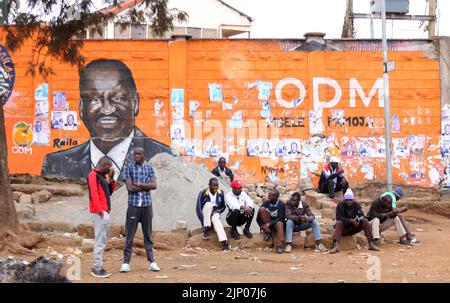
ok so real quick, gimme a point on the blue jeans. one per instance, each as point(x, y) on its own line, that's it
point(291, 226)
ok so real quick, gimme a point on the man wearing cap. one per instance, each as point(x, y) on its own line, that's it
point(271, 217)
point(398, 194)
point(210, 204)
point(350, 220)
point(384, 213)
point(332, 178)
point(240, 210)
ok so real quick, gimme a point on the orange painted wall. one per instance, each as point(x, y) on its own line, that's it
point(159, 66)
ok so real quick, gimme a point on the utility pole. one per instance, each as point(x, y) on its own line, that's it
point(432, 4)
point(347, 29)
point(387, 111)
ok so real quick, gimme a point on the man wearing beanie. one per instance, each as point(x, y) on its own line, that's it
point(332, 179)
point(384, 213)
point(240, 210)
point(350, 220)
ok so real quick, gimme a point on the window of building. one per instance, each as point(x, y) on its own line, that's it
point(194, 32)
point(121, 32)
point(209, 33)
point(138, 31)
point(97, 32)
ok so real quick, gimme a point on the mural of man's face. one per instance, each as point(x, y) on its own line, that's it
point(108, 102)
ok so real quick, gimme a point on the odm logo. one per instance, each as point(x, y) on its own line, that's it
point(22, 134)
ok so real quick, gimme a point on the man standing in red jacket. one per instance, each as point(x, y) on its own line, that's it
point(101, 186)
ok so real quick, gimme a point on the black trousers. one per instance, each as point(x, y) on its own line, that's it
point(235, 218)
point(331, 189)
point(136, 215)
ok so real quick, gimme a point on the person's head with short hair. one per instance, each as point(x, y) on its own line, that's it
point(109, 101)
point(222, 162)
point(294, 147)
point(295, 199)
point(387, 201)
point(213, 185)
point(273, 196)
point(349, 197)
point(38, 126)
point(138, 155)
point(236, 187)
point(70, 120)
point(104, 165)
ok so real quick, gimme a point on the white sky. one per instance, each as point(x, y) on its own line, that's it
point(293, 18)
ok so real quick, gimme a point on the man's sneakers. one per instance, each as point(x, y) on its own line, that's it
point(288, 248)
point(320, 248)
point(279, 250)
point(235, 234)
point(154, 267)
point(205, 233)
point(125, 267)
point(404, 241)
point(100, 273)
point(247, 233)
point(414, 240)
point(225, 246)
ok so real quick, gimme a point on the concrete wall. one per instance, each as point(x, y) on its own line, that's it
point(324, 99)
point(444, 64)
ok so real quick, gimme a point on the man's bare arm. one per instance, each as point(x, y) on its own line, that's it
point(131, 187)
point(148, 186)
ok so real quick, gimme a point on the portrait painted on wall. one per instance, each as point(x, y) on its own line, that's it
point(108, 106)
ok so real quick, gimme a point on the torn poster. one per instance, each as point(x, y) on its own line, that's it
point(41, 92)
point(70, 120)
point(41, 109)
point(158, 106)
point(215, 92)
point(192, 148)
point(177, 135)
point(337, 117)
point(211, 149)
point(264, 90)
point(58, 120)
point(177, 104)
point(236, 120)
point(400, 147)
point(395, 124)
point(193, 106)
point(309, 169)
point(368, 171)
point(265, 112)
point(315, 121)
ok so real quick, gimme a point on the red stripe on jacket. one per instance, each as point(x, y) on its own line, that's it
point(97, 198)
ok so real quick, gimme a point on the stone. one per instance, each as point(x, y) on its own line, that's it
point(25, 198)
point(282, 183)
point(260, 192)
point(285, 198)
point(348, 243)
point(16, 195)
point(253, 195)
point(61, 226)
point(309, 241)
point(282, 189)
point(328, 204)
point(181, 225)
point(41, 196)
point(269, 186)
point(251, 187)
point(306, 184)
point(258, 200)
point(55, 189)
point(86, 230)
point(328, 213)
point(312, 198)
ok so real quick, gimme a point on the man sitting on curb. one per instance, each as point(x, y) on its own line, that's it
point(350, 220)
point(210, 204)
point(240, 210)
point(332, 179)
point(300, 217)
point(383, 213)
point(271, 218)
point(398, 194)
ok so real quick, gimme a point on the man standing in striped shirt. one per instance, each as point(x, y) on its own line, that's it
point(140, 180)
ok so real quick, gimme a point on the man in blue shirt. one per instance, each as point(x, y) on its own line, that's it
point(140, 179)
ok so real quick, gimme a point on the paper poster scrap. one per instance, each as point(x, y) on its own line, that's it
point(41, 132)
point(349, 148)
point(315, 121)
point(177, 135)
point(70, 120)
point(395, 124)
point(264, 90)
point(41, 92)
point(192, 148)
point(58, 120)
point(259, 148)
point(368, 171)
point(41, 109)
point(158, 106)
point(400, 147)
point(215, 92)
point(371, 147)
point(236, 120)
point(287, 148)
point(211, 149)
point(177, 103)
point(265, 112)
point(60, 101)
point(337, 117)
point(193, 106)
point(309, 169)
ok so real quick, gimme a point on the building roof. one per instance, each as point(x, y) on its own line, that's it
point(115, 9)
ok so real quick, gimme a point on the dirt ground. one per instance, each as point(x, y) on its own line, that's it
point(424, 262)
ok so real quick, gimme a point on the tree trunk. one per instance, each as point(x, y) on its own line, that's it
point(8, 214)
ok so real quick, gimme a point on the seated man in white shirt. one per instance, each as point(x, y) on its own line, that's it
point(240, 210)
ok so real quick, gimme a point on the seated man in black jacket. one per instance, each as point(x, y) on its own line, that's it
point(222, 171)
point(382, 216)
point(350, 220)
point(271, 218)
